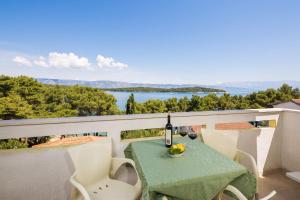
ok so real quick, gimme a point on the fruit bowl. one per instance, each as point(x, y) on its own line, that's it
point(175, 155)
point(176, 150)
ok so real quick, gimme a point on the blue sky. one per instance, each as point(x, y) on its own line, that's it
point(161, 41)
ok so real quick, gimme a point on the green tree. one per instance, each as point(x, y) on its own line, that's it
point(155, 106)
point(140, 108)
point(271, 94)
point(6, 84)
point(131, 105)
point(183, 104)
point(226, 103)
point(240, 102)
point(210, 102)
point(14, 107)
point(195, 103)
point(296, 93)
point(12, 144)
point(23, 97)
point(262, 99)
point(172, 105)
point(285, 92)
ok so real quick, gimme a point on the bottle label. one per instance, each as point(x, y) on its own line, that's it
point(168, 137)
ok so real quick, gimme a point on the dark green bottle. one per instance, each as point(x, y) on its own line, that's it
point(168, 133)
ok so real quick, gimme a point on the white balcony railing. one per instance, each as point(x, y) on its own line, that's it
point(272, 147)
point(114, 124)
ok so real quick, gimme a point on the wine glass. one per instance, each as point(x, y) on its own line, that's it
point(183, 131)
point(192, 135)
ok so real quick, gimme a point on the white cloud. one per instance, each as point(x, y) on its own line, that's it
point(55, 59)
point(41, 61)
point(22, 60)
point(109, 62)
point(67, 60)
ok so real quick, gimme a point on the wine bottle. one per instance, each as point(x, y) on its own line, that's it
point(169, 133)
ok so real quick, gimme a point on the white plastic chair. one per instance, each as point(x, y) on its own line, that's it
point(240, 196)
point(226, 142)
point(94, 166)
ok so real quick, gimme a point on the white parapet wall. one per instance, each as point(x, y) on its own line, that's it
point(264, 144)
point(290, 149)
point(114, 124)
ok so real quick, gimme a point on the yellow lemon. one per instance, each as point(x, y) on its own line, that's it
point(181, 147)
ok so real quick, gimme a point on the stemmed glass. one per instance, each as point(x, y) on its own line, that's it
point(183, 133)
point(183, 130)
point(193, 135)
point(187, 130)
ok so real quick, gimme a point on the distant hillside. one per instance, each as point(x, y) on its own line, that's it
point(230, 87)
point(117, 84)
point(260, 85)
point(151, 89)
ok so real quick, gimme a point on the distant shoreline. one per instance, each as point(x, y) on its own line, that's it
point(150, 89)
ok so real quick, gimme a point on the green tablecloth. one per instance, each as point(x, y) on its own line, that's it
point(201, 173)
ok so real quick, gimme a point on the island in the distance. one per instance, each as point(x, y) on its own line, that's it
point(151, 89)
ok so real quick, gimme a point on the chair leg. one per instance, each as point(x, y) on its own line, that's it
point(269, 196)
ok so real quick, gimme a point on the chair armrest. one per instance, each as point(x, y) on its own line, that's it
point(251, 160)
point(116, 164)
point(240, 196)
point(254, 169)
point(236, 192)
point(79, 187)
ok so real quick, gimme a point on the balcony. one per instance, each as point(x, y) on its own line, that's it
point(44, 173)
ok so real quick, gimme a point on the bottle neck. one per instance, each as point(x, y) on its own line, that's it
point(169, 119)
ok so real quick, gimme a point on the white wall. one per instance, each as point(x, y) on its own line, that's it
point(264, 144)
point(116, 123)
point(291, 141)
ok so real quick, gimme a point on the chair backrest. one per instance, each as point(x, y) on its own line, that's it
point(224, 142)
point(92, 160)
